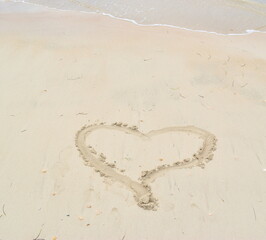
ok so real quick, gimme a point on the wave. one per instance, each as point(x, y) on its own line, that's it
point(221, 26)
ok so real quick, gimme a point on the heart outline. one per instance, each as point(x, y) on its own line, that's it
point(142, 191)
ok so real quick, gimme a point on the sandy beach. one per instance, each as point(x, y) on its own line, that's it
point(187, 107)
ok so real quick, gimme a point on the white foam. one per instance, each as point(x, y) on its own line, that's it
point(247, 31)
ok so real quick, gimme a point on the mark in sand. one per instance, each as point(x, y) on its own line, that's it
point(3, 211)
point(142, 190)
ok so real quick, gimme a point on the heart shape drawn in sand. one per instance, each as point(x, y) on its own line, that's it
point(142, 190)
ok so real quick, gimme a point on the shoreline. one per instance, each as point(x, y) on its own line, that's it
point(247, 31)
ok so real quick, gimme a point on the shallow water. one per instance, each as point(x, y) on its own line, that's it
point(220, 16)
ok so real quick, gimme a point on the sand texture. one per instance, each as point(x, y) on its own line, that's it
point(142, 190)
point(153, 102)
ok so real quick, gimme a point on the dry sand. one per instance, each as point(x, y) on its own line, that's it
point(61, 71)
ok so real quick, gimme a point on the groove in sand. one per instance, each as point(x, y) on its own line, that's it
point(142, 190)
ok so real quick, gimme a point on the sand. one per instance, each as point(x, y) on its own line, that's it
point(61, 71)
point(142, 191)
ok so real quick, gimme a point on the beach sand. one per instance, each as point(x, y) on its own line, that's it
point(60, 71)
